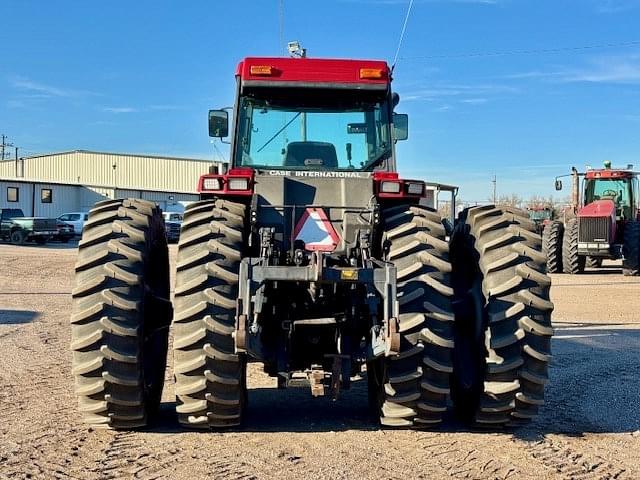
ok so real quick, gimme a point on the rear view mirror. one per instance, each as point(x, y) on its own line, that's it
point(400, 126)
point(218, 123)
point(558, 185)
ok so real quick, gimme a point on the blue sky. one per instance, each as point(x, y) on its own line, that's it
point(140, 76)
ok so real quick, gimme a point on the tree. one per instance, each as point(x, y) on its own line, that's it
point(538, 202)
point(511, 200)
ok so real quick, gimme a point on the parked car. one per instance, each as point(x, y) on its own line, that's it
point(18, 229)
point(65, 232)
point(76, 219)
point(173, 224)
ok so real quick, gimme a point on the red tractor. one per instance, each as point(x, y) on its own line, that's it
point(312, 256)
point(606, 223)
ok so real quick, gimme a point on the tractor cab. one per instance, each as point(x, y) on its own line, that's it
point(313, 115)
point(310, 132)
point(618, 186)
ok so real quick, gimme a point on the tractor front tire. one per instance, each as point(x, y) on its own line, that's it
point(572, 263)
point(502, 317)
point(631, 249)
point(552, 245)
point(121, 314)
point(412, 387)
point(210, 376)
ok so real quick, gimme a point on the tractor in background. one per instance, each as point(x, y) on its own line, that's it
point(541, 216)
point(605, 226)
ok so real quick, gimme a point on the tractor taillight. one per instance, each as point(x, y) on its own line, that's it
point(389, 185)
point(414, 188)
point(211, 184)
point(238, 181)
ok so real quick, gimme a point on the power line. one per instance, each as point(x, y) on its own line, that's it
point(525, 52)
point(404, 28)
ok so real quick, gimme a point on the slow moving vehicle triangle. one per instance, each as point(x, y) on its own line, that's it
point(316, 231)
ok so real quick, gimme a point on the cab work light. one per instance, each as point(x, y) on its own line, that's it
point(390, 187)
point(265, 70)
point(211, 184)
point(415, 188)
point(238, 184)
point(371, 73)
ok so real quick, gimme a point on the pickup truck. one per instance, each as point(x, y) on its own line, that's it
point(172, 223)
point(18, 229)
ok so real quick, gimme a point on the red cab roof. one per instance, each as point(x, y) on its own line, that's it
point(608, 173)
point(321, 72)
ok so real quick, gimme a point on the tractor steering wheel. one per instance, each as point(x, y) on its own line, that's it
point(609, 193)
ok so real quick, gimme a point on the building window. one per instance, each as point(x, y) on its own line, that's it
point(13, 194)
point(46, 195)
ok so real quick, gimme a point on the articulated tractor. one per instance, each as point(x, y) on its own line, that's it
point(312, 256)
point(606, 223)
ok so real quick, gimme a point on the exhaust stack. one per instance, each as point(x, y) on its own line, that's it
point(575, 190)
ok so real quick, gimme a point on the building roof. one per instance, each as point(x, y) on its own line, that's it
point(66, 152)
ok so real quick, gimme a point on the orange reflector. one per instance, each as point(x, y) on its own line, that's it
point(371, 73)
point(261, 70)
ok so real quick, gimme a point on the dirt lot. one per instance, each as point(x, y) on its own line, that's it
point(589, 429)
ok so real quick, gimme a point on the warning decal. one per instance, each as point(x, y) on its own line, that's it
point(316, 231)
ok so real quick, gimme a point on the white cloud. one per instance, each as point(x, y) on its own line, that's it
point(120, 109)
point(466, 92)
point(406, 2)
point(474, 101)
point(615, 6)
point(150, 108)
point(614, 69)
point(42, 90)
point(165, 107)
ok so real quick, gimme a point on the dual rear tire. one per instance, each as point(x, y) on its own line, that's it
point(502, 317)
point(490, 352)
point(489, 293)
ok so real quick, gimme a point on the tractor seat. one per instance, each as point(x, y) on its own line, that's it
point(311, 155)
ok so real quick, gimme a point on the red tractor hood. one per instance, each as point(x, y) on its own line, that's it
point(599, 208)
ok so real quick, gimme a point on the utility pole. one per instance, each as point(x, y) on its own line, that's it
point(494, 181)
point(3, 146)
point(17, 174)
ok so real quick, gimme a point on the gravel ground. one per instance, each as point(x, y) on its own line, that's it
point(589, 428)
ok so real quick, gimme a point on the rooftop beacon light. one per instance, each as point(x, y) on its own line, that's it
point(607, 164)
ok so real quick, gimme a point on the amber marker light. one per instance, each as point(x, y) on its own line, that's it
point(371, 73)
point(265, 70)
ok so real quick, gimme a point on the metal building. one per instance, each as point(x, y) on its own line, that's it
point(52, 184)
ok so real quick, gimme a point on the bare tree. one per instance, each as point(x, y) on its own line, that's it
point(539, 202)
point(511, 200)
